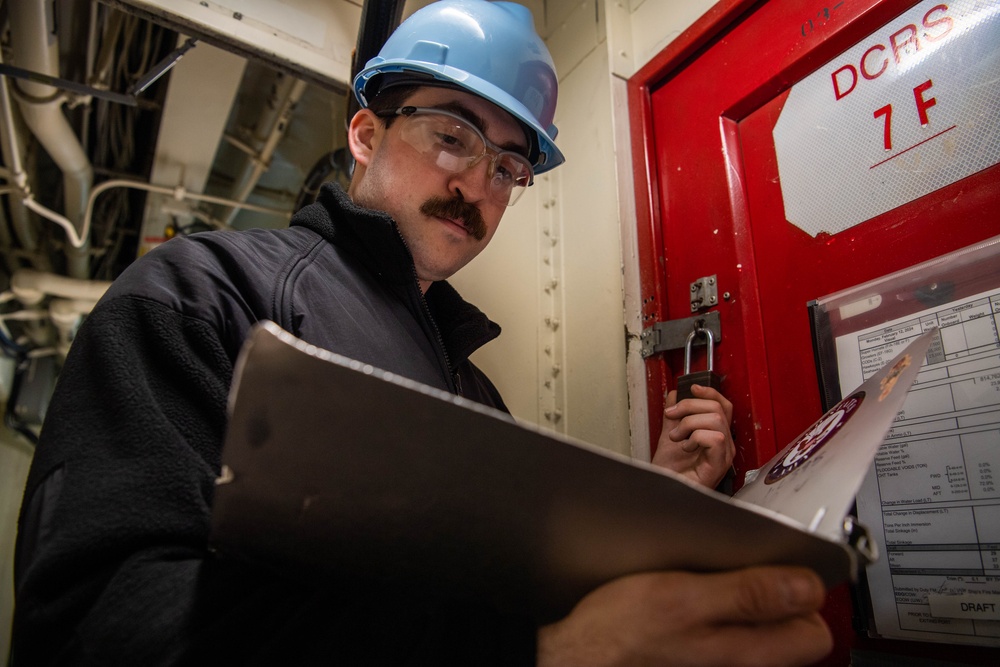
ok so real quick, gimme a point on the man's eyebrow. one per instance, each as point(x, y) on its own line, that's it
point(468, 114)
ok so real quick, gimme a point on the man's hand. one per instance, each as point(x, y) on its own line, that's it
point(695, 440)
point(757, 616)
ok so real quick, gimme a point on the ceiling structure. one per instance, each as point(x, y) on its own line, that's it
point(125, 123)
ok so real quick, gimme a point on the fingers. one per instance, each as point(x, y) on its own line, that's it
point(711, 394)
point(755, 616)
point(710, 423)
point(762, 594)
point(670, 400)
point(704, 435)
point(695, 440)
point(802, 640)
point(705, 421)
point(784, 600)
point(703, 399)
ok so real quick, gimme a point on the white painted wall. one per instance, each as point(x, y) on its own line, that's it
point(552, 277)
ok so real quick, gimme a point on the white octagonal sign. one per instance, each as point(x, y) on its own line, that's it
point(908, 110)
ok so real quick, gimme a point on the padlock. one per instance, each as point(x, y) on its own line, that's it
point(707, 377)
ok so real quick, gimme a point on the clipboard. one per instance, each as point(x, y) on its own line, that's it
point(332, 466)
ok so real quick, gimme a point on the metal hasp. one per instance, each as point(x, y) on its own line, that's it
point(672, 334)
point(704, 293)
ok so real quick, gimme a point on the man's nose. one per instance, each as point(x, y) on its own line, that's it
point(473, 184)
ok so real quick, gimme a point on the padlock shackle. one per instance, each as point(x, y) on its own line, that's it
point(710, 345)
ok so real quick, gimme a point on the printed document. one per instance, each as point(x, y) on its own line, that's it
point(931, 500)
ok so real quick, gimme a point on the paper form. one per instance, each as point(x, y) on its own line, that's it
point(932, 498)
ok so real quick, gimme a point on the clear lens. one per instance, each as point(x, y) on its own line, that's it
point(454, 145)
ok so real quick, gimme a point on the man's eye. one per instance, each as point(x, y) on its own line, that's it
point(512, 172)
point(449, 141)
point(504, 174)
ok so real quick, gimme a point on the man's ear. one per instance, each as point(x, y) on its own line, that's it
point(363, 136)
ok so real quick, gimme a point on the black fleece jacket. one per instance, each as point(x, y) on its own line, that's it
point(112, 566)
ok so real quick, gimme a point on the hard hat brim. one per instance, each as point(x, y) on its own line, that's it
point(549, 155)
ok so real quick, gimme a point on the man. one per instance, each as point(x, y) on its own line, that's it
point(113, 566)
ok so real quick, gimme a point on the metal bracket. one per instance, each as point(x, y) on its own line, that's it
point(672, 334)
point(704, 293)
point(129, 98)
point(63, 84)
point(858, 537)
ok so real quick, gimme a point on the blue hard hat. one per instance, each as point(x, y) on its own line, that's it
point(488, 48)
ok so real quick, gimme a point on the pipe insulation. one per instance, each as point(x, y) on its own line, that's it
point(31, 287)
point(178, 193)
point(12, 158)
point(34, 46)
point(78, 239)
point(67, 316)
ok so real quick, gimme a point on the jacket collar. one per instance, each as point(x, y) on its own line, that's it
point(374, 239)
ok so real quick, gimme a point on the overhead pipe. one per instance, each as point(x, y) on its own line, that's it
point(34, 46)
point(31, 287)
point(270, 128)
point(6, 239)
point(21, 224)
point(92, 22)
point(77, 239)
point(67, 316)
point(19, 186)
point(73, 298)
point(179, 193)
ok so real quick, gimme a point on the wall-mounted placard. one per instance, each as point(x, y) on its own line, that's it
point(913, 107)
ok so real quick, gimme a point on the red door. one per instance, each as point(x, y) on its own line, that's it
point(710, 202)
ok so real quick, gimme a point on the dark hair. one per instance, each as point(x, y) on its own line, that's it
point(389, 98)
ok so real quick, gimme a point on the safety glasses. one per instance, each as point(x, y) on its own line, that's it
point(453, 144)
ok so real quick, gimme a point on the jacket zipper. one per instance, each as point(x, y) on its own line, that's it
point(455, 385)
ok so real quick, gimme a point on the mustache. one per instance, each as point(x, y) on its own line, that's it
point(456, 209)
